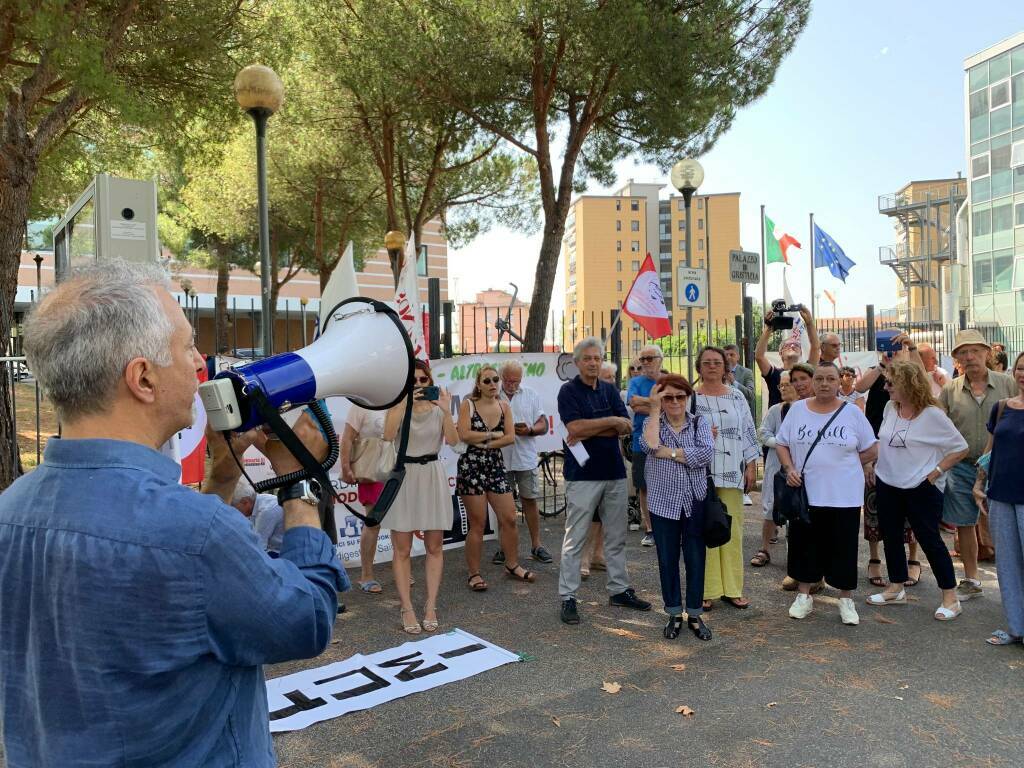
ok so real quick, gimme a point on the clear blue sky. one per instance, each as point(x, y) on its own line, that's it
point(871, 97)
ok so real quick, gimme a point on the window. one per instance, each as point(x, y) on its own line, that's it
point(681, 205)
point(983, 275)
point(421, 261)
point(634, 246)
point(999, 94)
point(979, 166)
point(618, 285)
point(636, 327)
point(618, 225)
point(634, 226)
point(618, 266)
point(700, 223)
point(618, 245)
point(681, 225)
point(634, 205)
point(1017, 154)
point(1018, 217)
point(1000, 158)
point(981, 223)
point(682, 245)
point(1002, 217)
point(618, 205)
point(1002, 270)
point(700, 203)
point(635, 265)
point(1018, 273)
point(700, 244)
point(979, 103)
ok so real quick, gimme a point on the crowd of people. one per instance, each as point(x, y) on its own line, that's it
point(120, 578)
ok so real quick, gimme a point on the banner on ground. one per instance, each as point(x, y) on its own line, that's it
point(361, 682)
point(543, 372)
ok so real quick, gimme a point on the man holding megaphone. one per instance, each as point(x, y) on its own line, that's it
point(135, 613)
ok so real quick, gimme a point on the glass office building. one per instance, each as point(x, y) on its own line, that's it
point(994, 91)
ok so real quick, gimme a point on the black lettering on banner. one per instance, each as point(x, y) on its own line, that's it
point(463, 651)
point(411, 663)
point(376, 683)
point(300, 703)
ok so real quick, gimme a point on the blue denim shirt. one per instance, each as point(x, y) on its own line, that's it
point(135, 614)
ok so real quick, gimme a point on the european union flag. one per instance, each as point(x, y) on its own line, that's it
point(827, 253)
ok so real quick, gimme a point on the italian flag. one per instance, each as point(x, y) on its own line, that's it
point(776, 248)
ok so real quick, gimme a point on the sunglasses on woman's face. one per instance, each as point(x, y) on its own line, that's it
point(489, 380)
point(647, 358)
point(423, 380)
point(670, 398)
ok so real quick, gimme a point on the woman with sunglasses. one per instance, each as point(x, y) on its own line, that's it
point(734, 468)
point(486, 426)
point(679, 447)
point(424, 502)
point(917, 446)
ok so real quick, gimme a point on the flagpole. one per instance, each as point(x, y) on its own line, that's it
point(813, 308)
point(707, 259)
point(764, 271)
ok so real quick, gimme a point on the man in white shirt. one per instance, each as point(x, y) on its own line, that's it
point(521, 456)
point(265, 514)
point(937, 377)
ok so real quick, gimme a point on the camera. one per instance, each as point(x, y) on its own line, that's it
point(779, 320)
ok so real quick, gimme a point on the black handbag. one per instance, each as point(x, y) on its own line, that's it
point(791, 504)
point(717, 520)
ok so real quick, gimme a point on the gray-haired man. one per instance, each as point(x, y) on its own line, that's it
point(594, 417)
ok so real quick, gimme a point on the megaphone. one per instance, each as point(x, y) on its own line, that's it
point(363, 353)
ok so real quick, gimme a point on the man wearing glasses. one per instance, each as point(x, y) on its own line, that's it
point(594, 418)
point(638, 398)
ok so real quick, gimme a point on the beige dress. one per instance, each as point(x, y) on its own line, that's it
point(424, 502)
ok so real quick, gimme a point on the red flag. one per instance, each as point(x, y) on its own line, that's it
point(645, 302)
point(784, 242)
point(193, 442)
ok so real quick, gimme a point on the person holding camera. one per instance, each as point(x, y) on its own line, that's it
point(149, 609)
point(734, 469)
point(424, 502)
point(790, 351)
point(917, 445)
point(486, 425)
point(679, 447)
point(823, 445)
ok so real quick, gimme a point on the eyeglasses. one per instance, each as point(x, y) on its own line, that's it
point(648, 358)
point(422, 379)
point(674, 398)
point(490, 380)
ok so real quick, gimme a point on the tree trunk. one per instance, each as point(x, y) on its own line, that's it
point(15, 190)
point(544, 279)
point(221, 320)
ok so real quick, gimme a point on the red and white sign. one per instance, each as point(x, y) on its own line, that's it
point(645, 302)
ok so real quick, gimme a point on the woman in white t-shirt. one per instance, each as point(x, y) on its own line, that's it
point(917, 445)
point(834, 478)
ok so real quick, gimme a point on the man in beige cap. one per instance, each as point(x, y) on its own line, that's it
point(969, 400)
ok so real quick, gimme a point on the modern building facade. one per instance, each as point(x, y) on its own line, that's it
point(924, 255)
point(994, 130)
point(608, 236)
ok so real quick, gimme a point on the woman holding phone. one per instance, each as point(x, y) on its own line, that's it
point(486, 426)
point(424, 502)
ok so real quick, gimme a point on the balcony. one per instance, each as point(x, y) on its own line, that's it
point(901, 253)
point(899, 202)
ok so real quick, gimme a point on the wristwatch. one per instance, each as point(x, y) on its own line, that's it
point(290, 492)
point(674, 454)
point(940, 470)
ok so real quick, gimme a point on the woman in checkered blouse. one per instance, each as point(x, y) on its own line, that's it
point(679, 447)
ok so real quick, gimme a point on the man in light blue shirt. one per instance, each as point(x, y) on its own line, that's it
point(135, 613)
point(639, 400)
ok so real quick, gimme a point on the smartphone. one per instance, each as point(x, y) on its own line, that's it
point(430, 393)
point(884, 341)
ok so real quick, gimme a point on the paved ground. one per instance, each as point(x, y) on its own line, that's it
point(899, 690)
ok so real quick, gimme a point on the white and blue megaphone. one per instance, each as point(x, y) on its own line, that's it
point(363, 353)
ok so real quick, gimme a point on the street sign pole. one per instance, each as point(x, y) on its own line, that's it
point(687, 197)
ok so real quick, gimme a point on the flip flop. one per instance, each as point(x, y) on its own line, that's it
point(999, 637)
point(736, 602)
point(371, 586)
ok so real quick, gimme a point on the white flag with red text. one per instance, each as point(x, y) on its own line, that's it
point(407, 300)
point(798, 335)
point(645, 302)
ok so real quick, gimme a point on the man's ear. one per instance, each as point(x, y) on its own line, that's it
point(141, 379)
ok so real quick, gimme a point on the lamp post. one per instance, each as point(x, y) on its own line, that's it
point(302, 312)
point(259, 92)
point(686, 176)
point(394, 243)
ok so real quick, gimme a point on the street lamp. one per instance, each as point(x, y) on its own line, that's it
point(686, 176)
point(259, 92)
point(394, 243)
point(302, 311)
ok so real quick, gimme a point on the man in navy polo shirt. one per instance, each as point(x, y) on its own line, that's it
point(594, 417)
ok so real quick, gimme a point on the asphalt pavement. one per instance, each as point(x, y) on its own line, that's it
point(900, 690)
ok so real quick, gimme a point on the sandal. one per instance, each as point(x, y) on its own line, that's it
point(876, 581)
point(911, 581)
point(699, 628)
point(672, 629)
point(429, 625)
point(999, 637)
point(707, 605)
point(761, 558)
point(371, 586)
point(524, 576)
point(736, 602)
point(414, 628)
point(477, 586)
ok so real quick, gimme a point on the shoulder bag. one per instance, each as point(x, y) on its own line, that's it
point(792, 503)
point(717, 527)
point(373, 458)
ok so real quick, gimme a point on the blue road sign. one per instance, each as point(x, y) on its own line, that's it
point(692, 292)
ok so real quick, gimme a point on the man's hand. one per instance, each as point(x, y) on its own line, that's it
point(522, 430)
point(281, 458)
point(750, 477)
point(805, 314)
point(768, 317)
point(623, 425)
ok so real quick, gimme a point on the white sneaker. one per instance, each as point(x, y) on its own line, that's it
point(747, 501)
point(801, 607)
point(848, 612)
